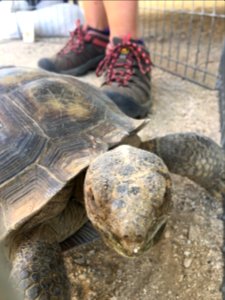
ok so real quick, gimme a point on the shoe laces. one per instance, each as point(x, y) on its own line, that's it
point(121, 60)
point(76, 40)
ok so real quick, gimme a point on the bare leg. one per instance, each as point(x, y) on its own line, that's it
point(127, 63)
point(122, 17)
point(95, 14)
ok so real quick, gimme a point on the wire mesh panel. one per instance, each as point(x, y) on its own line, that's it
point(185, 37)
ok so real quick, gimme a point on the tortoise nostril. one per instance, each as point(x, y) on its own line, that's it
point(133, 238)
point(91, 196)
point(139, 238)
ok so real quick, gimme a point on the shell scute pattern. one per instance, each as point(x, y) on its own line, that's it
point(50, 130)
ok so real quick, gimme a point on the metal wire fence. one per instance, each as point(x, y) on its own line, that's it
point(185, 37)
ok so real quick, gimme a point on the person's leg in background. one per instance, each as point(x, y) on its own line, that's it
point(127, 63)
point(122, 17)
point(86, 46)
point(95, 14)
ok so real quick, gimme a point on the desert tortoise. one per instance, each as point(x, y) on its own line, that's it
point(55, 133)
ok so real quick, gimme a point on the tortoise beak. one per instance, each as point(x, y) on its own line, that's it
point(133, 249)
point(139, 245)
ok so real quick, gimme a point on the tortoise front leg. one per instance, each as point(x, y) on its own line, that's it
point(196, 157)
point(37, 266)
point(6, 286)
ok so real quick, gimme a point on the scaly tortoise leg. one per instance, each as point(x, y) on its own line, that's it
point(196, 157)
point(37, 263)
point(37, 266)
point(6, 286)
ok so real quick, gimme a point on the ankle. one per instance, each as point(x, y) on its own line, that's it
point(104, 31)
point(126, 38)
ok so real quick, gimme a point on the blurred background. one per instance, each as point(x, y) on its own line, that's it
point(184, 37)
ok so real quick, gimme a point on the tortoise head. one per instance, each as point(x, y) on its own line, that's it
point(127, 198)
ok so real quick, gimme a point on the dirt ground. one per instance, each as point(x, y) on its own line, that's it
point(187, 262)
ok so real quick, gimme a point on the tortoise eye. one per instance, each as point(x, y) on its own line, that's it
point(92, 198)
point(91, 195)
point(91, 201)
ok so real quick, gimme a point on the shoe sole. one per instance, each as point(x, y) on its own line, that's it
point(129, 107)
point(85, 68)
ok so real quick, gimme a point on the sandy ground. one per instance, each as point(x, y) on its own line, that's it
point(187, 262)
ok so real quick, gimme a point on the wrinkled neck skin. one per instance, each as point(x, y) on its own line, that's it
point(127, 198)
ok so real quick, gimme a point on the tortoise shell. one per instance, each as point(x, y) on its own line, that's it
point(51, 128)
